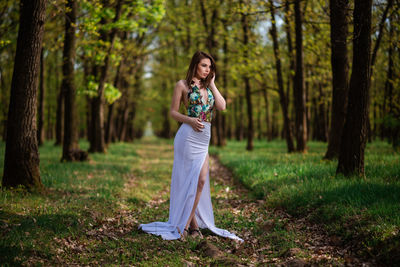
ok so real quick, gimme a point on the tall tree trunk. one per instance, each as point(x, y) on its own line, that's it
point(21, 162)
point(274, 120)
point(166, 129)
point(71, 150)
point(300, 94)
point(351, 156)
point(323, 133)
point(292, 62)
point(40, 132)
point(59, 111)
point(282, 96)
point(389, 82)
point(246, 79)
point(50, 130)
point(222, 126)
point(259, 124)
point(97, 142)
point(267, 120)
point(340, 69)
point(4, 107)
point(110, 118)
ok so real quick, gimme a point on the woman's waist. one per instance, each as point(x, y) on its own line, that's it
point(203, 116)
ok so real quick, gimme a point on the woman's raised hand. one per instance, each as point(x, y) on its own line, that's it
point(212, 79)
point(196, 124)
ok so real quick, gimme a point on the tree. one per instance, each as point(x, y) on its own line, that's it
point(351, 156)
point(40, 132)
point(340, 66)
point(246, 79)
point(282, 96)
point(300, 93)
point(97, 141)
point(71, 151)
point(21, 163)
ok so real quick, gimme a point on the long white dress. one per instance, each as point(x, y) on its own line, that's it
point(190, 151)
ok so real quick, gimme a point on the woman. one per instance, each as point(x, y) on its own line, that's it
point(190, 201)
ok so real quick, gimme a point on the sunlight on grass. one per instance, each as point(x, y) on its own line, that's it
point(306, 185)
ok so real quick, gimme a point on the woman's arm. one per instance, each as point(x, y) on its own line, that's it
point(174, 110)
point(220, 102)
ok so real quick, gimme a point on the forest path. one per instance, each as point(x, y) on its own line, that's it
point(135, 181)
point(271, 237)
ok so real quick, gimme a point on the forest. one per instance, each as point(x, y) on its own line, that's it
point(308, 84)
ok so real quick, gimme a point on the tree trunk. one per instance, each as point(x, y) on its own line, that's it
point(259, 124)
point(166, 129)
point(222, 127)
point(4, 107)
point(246, 79)
point(267, 120)
point(282, 96)
point(389, 81)
point(351, 156)
point(97, 142)
point(292, 63)
point(71, 151)
point(40, 132)
point(340, 68)
point(110, 118)
point(21, 163)
point(59, 112)
point(300, 94)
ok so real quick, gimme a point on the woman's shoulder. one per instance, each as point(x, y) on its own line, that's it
point(182, 85)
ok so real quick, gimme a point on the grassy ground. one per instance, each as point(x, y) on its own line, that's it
point(91, 211)
point(361, 211)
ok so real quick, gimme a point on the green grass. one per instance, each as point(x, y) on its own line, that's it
point(79, 195)
point(91, 210)
point(360, 210)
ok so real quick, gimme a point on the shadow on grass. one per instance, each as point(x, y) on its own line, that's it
point(20, 235)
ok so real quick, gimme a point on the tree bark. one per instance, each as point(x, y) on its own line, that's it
point(282, 96)
point(222, 127)
point(21, 163)
point(4, 107)
point(292, 62)
point(97, 142)
point(40, 132)
point(59, 113)
point(351, 156)
point(71, 151)
point(300, 94)
point(110, 118)
point(246, 79)
point(340, 69)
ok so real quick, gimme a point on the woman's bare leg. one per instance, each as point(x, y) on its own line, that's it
point(202, 180)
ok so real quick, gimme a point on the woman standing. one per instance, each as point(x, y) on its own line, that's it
point(190, 201)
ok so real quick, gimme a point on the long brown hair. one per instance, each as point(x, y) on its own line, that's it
point(199, 55)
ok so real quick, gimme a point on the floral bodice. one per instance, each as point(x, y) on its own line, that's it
point(196, 107)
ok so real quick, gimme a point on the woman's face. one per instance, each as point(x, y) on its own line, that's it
point(203, 68)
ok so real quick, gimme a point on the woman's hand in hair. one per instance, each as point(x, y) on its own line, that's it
point(212, 79)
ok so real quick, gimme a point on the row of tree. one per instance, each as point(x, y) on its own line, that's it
point(100, 69)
